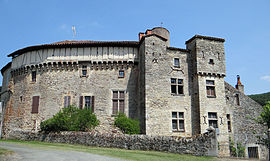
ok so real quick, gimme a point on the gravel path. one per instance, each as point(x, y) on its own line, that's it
point(28, 153)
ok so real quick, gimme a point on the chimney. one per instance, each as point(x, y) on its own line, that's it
point(141, 35)
point(239, 85)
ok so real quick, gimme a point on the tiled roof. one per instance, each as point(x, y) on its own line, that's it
point(205, 37)
point(179, 49)
point(72, 43)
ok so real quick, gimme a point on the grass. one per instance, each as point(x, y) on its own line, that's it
point(114, 152)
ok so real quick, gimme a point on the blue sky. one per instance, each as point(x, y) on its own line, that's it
point(244, 24)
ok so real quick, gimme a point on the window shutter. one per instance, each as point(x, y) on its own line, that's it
point(115, 107)
point(68, 103)
point(81, 102)
point(93, 104)
point(35, 104)
point(122, 106)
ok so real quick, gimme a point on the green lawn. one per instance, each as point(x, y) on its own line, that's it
point(114, 152)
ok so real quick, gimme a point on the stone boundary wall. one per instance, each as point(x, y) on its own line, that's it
point(200, 145)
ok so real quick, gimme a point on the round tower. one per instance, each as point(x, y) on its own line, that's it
point(163, 32)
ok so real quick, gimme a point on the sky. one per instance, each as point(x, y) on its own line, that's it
point(244, 24)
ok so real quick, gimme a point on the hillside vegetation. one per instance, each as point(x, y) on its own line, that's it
point(261, 98)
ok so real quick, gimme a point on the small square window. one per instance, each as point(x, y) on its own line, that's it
point(210, 88)
point(176, 62)
point(177, 86)
point(121, 74)
point(34, 76)
point(211, 61)
point(178, 123)
point(84, 70)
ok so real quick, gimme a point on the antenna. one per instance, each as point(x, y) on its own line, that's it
point(161, 24)
point(74, 31)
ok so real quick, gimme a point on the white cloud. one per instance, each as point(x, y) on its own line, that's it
point(266, 78)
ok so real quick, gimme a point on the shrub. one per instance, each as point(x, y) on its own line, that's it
point(238, 151)
point(127, 125)
point(70, 119)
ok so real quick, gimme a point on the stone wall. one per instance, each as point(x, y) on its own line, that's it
point(244, 128)
point(200, 145)
point(160, 102)
point(52, 84)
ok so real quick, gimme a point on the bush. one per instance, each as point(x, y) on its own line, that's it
point(70, 119)
point(238, 151)
point(127, 125)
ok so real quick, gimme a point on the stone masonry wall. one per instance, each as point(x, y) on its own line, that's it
point(243, 125)
point(52, 85)
point(201, 145)
point(159, 100)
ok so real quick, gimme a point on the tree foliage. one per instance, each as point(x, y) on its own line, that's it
point(127, 125)
point(262, 99)
point(70, 119)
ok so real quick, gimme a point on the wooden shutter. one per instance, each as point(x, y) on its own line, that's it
point(35, 104)
point(115, 107)
point(66, 101)
point(93, 104)
point(122, 106)
point(81, 102)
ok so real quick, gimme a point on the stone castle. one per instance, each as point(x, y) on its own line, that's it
point(172, 91)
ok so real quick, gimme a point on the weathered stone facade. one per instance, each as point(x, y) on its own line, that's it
point(172, 91)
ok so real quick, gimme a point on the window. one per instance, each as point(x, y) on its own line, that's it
point(211, 61)
point(212, 119)
point(176, 62)
point(34, 76)
point(121, 74)
point(84, 70)
point(253, 152)
point(177, 86)
point(178, 121)
point(35, 104)
point(66, 101)
point(87, 102)
point(210, 88)
point(229, 123)
point(118, 102)
point(237, 99)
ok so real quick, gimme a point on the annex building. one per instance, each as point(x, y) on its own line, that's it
point(172, 91)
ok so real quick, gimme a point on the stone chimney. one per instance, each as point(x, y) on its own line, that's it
point(239, 85)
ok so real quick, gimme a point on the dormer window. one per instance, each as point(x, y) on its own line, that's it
point(176, 62)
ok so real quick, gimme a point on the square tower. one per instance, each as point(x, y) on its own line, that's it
point(207, 70)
